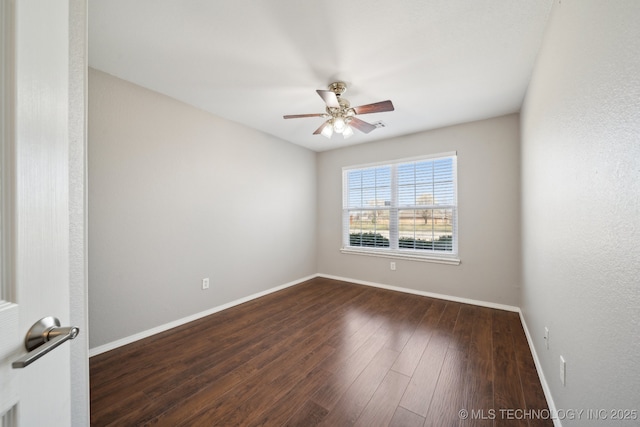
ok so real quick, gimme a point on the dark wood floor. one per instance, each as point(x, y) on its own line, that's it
point(326, 353)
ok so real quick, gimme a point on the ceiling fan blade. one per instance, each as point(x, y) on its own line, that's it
point(361, 125)
point(300, 116)
point(378, 107)
point(319, 130)
point(329, 98)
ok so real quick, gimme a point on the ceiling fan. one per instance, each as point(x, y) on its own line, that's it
point(340, 115)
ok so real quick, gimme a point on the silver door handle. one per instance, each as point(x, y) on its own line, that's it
point(45, 335)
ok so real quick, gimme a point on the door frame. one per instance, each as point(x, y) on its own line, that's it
point(78, 237)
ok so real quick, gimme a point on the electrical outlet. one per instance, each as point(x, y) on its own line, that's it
point(392, 266)
point(205, 283)
point(563, 370)
point(546, 337)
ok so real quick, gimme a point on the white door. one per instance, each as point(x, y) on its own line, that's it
point(38, 256)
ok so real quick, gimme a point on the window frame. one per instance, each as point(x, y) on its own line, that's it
point(393, 251)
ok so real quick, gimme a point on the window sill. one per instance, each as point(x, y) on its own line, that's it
point(451, 260)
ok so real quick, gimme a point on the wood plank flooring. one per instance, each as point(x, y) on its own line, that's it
point(326, 353)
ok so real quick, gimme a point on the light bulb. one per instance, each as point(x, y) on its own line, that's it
point(327, 130)
point(347, 132)
point(339, 124)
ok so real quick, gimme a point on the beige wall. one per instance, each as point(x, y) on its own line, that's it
point(488, 215)
point(581, 206)
point(176, 195)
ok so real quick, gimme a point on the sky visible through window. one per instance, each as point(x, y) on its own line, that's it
point(419, 183)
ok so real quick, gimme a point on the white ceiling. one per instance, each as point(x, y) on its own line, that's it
point(441, 62)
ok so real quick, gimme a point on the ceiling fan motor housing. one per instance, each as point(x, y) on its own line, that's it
point(344, 111)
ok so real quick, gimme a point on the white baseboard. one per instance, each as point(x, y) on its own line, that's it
point(130, 339)
point(425, 294)
point(149, 332)
point(543, 380)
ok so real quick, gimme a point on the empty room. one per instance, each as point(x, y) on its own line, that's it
point(380, 277)
point(377, 278)
point(280, 213)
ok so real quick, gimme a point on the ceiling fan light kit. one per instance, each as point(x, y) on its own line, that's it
point(340, 115)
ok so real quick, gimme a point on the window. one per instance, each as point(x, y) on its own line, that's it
point(404, 209)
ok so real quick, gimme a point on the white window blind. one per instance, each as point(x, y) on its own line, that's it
point(404, 207)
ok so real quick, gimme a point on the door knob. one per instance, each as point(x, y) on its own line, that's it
point(45, 335)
